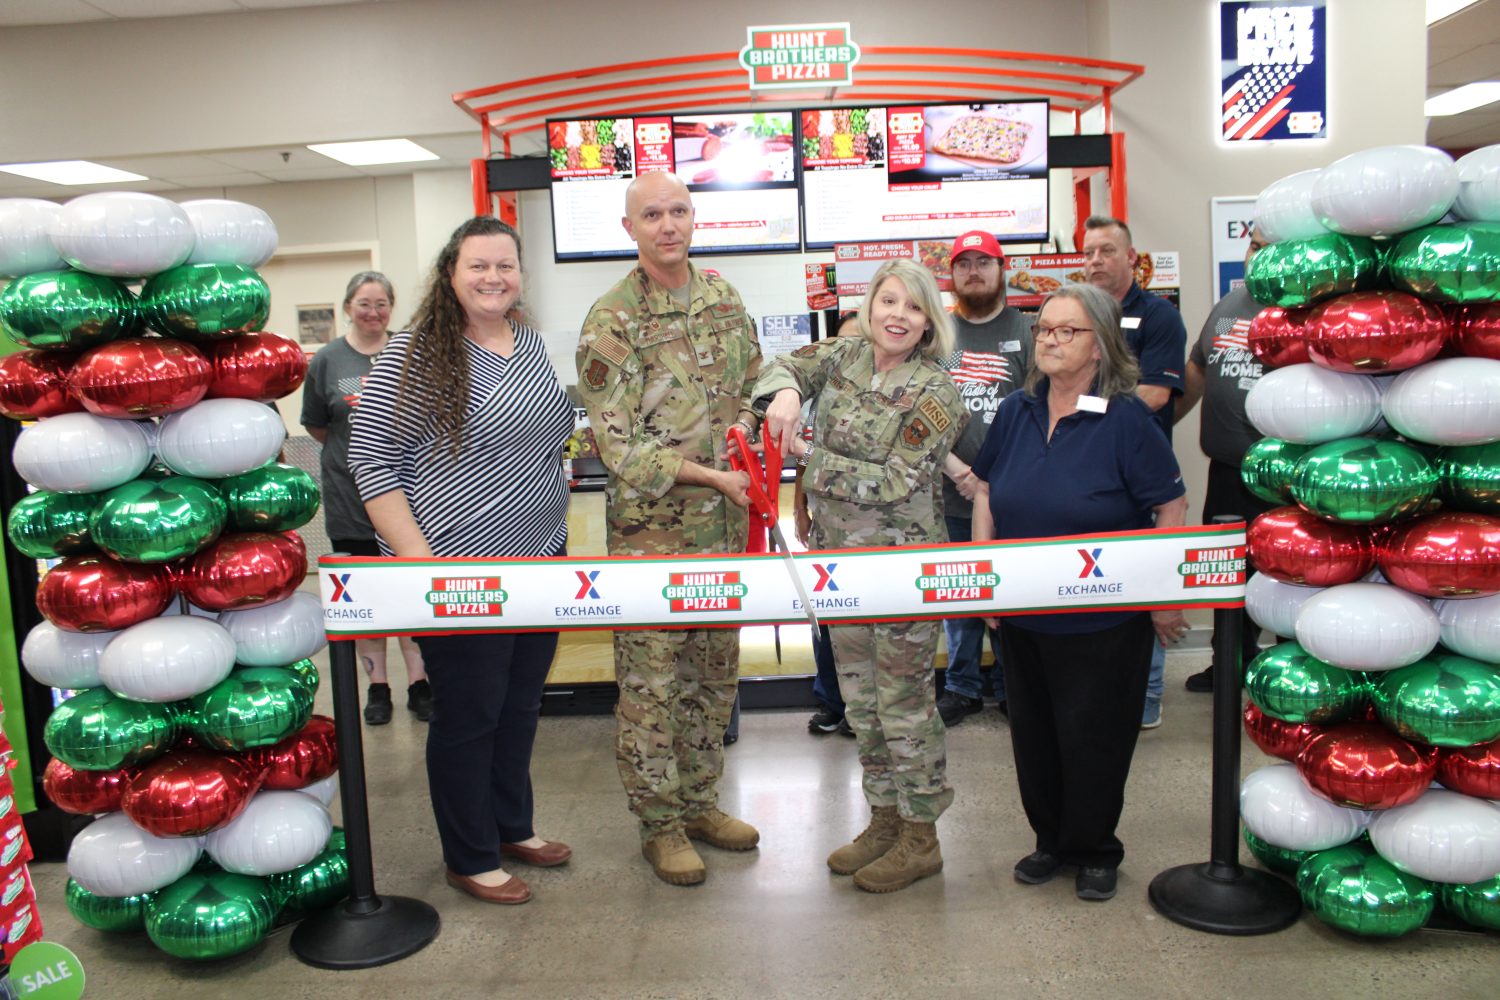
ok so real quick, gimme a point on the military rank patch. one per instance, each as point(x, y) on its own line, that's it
point(805, 351)
point(915, 433)
point(933, 410)
point(595, 374)
point(611, 348)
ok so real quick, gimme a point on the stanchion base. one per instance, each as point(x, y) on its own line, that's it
point(340, 938)
point(1250, 902)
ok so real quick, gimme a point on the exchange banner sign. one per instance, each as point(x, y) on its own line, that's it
point(1154, 569)
point(1274, 67)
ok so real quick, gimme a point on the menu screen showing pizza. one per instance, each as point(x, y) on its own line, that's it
point(924, 172)
point(740, 169)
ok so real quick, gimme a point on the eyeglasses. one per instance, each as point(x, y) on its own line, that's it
point(1061, 334)
point(974, 264)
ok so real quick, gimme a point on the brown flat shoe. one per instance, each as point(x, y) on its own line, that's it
point(549, 855)
point(511, 893)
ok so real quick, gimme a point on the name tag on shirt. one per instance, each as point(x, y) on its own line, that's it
point(1010, 346)
point(1092, 404)
point(1130, 323)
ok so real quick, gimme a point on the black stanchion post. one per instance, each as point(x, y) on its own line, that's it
point(1222, 896)
point(365, 930)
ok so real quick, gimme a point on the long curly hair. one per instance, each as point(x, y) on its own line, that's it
point(434, 383)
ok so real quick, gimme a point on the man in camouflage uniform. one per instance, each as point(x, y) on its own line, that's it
point(666, 361)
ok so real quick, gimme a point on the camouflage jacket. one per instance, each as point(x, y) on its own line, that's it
point(662, 385)
point(875, 476)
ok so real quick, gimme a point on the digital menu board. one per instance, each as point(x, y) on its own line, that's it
point(740, 168)
point(924, 172)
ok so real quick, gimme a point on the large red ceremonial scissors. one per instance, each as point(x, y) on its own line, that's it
point(763, 493)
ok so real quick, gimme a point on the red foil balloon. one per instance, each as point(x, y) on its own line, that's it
point(187, 793)
point(1364, 765)
point(1472, 770)
point(85, 793)
point(34, 384)
point(1381, 331)
point(140, 377)
point(243, 570)
point(1294, 546)
point(1277, 336)
point(1477, 333)
point(261, 366)
point(1451, 554)
point(308, 755)
point(1274, 736)
point(94, 593)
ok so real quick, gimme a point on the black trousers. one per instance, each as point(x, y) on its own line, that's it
point(1226, 494)
point(1075, 712)
point(486, 696)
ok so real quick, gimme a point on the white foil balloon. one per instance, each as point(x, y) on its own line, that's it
point(1448, 401)
point(62, 659)
point(1280, 809)
point(1273, 605)
point(1309, 404)
point(1367, 626)
point(81, 453)
point(1283, 210)
point(125, 234)
point(1443, 836)
point(278, 831)
point(167, 659)
point(324, 791)
point(273, 635)
point(1471, 627)
point(114, 857)
point(1479, 185)
point(220, 437)
point(1385, 190)
point(230, 232)
point(25, 247)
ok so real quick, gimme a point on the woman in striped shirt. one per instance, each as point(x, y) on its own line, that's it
point(457, 451)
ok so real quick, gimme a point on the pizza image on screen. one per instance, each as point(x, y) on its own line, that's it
point(980, 138)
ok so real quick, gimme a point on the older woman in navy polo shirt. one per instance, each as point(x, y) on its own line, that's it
point(1077, 452)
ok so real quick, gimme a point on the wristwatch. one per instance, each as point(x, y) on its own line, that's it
point(806, 456)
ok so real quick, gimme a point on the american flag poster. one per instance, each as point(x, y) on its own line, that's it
point(1273, 64)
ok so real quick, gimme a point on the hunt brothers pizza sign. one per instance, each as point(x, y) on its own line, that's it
point(799, 55)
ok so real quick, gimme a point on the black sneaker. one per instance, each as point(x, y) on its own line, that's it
point(824, 721)
point(844, 729)
point(1095, 883)
point(378, 705)
point(1037, 867)
point(1202, 682)
point(953, 707)
point(419, 699)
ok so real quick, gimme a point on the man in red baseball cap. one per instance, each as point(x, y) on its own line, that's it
point(993, 350)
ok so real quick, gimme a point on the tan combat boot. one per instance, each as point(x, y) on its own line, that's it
point(916, 855)
point(877, 838)
point(673, 858)
point(722, 830)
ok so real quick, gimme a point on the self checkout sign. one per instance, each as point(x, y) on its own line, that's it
point(1273, 63)
point(799, 55)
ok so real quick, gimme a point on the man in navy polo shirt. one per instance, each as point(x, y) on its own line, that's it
point(1155, 333)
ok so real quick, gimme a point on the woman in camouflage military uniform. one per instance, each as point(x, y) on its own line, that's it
point(887, 416)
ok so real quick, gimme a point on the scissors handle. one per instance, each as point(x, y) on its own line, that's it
point(764, 482)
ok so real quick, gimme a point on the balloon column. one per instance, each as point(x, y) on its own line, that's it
point(188, 735)
point(1382, 417)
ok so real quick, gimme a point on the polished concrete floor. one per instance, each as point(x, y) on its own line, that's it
point(774, 923)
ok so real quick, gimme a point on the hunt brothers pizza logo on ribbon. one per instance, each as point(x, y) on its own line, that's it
point(957, 581)
point(704, 591)
point(1213, 567)
point(466, 597)
point(792, 55)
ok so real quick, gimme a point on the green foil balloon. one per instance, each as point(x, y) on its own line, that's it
point(1289, 683)
point(306, 671)
point(116, 914)
point(45, 525)
point(1268, 466)
point(321, 882)
point(1477, 904)
point(67, 309)
point(1469, 477)
point(1443, 700)
point(158, 520)
point(273, 497)
point(1301, 272)
point(96, 730)
point(1277, 859)
point(1458, 262)
point(1363, 480)
point(208, 915)
point(252, 707)
point(206, 301)
point(1356, 890)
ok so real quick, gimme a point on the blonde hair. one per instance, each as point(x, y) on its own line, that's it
point(937, 340)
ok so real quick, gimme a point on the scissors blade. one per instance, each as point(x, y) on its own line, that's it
point(791, 568)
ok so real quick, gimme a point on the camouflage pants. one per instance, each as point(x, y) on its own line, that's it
point(885, 676)
point(677, 690)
